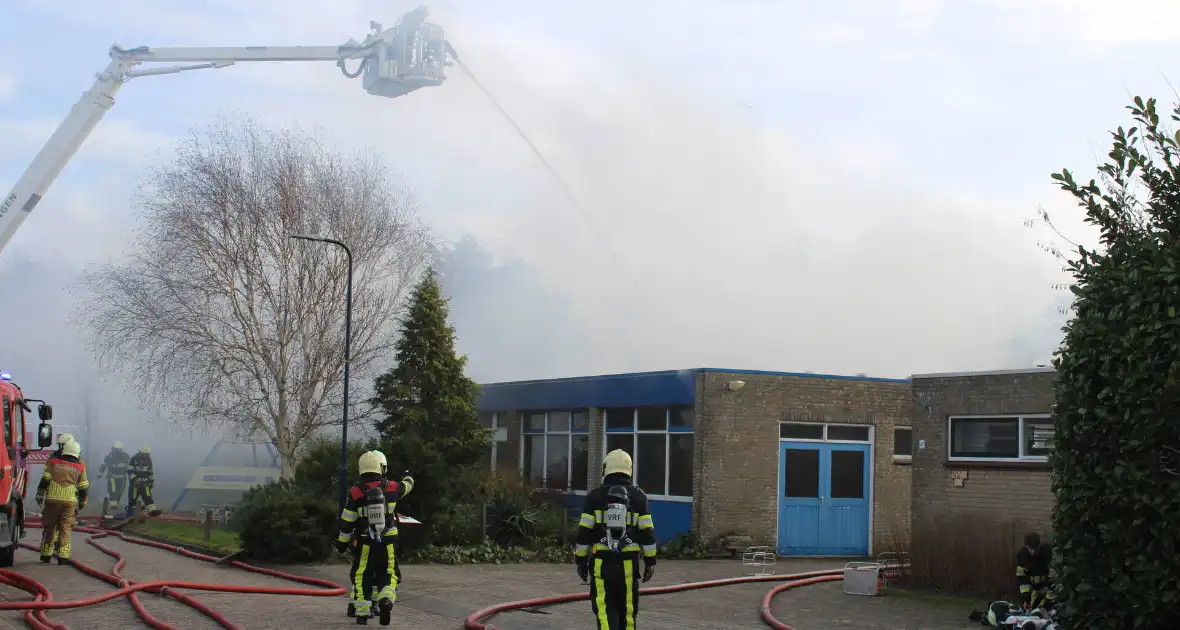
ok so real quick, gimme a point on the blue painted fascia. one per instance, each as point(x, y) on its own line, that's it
point(667, 387)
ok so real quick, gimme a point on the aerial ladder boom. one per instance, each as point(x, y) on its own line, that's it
point(394, 62)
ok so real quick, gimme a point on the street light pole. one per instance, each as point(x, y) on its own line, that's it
point(347, 358)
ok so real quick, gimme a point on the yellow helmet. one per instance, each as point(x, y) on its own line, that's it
point(145, 449)
point(370, 463)
point(617, 461)
point(64, 438)
point(118, 446)
point(71, 448)
point(384, 462)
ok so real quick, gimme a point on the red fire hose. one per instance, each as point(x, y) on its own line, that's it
point(43, 599)
point(475, 621)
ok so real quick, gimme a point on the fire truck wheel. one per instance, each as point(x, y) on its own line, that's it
point(8, 554)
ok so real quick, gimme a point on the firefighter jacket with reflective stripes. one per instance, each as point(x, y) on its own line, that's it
point(116, 463)
point(353, 524)
point(1032, 570)
point(64, 480)
point(640, 535)
point(141, 467)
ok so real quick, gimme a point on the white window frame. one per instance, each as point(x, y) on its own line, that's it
point(569, 455)
point(903, 458)
point(868, 432)
point(634, 434)
point(1022, 420)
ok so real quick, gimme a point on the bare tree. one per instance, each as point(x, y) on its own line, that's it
point(220, 318)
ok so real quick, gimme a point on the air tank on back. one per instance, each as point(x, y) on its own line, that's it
point(412, 55)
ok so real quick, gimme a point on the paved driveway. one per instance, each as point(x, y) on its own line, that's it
point(441, 596)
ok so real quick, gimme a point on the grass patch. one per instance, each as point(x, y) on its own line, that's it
point(220, 539)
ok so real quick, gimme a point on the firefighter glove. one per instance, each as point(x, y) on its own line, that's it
point(649, 568)
point(584, 568)
point(341, 547)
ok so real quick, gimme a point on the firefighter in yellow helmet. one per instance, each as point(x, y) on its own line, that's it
point(369, 518)
point(62, 440)
point(61, 494)
point(615, 531)
point(143, 479)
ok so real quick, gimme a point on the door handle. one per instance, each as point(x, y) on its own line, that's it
point(821, 499)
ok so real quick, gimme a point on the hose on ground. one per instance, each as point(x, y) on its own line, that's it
point(43, 599)
point(475, 621)
point(768, 617)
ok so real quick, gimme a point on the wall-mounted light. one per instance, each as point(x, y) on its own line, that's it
point(733, 386)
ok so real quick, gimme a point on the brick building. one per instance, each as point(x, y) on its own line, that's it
point(813, 464)
point(981, 443)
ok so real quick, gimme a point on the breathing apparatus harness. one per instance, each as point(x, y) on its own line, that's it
point(614, 519)
point(374, 510)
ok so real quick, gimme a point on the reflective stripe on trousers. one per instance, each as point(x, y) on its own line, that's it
point(374, 569)
point(614, 591)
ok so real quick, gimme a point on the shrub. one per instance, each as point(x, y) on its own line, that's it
point(684, 547)
point(282, 522)
point(488, 552)
point(962, 555)
point(456, 523)
point(1115, 459)
point(318, 469)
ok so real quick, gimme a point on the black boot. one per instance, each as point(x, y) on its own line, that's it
point(362, 621)
point(64, 561)
point(384, 610)
point(46, 559)
point(351, 609)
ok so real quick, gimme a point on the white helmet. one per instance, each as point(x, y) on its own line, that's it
point(118, 446)
point(370, 462)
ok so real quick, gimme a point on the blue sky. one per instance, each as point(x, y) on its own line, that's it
point(835, 186)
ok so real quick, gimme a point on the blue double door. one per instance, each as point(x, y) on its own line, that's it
point(823, 499)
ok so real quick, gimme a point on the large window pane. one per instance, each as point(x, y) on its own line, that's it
point(985, 437)
point(559, 421)
point(487, 419)
point(650, 463)
point(534, 459)
point(1038, 437)
point(625, 442)
point(653, 418)
point(581, 420)
point(903, 442)
point(796, 431)
point(534, 421)
point(801, 473)
point(579, 461)
point(620, 418)
point(557, 462)
point(681, 417)
point(680, 470)
point(848, 475)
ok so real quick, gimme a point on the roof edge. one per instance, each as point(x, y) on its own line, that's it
point(1013, 371)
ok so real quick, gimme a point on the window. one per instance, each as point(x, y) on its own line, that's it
point(7, 423)
point(814, 432)
point(903, 443)
point(1011, 438)
point(491, 421)
point(556, 449)
point(660, 442)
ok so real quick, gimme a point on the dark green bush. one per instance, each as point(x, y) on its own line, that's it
point(684, 547)
point(456, 523)
point(488, 552)
point(318, 469)
point(1115, 458)
point(282, 522)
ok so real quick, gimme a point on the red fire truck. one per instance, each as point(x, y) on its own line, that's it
point(14, 462)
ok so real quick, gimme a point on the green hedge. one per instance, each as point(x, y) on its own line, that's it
point(1116, 425)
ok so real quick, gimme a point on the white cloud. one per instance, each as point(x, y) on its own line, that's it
point(7, 85)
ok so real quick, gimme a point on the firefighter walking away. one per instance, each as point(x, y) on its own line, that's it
point(143, 478)
point(115, 468)
point(368, 525)
point(615, 531)
point(61, 494)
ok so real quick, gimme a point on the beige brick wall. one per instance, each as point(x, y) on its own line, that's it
point(737, 447)
point(1003, 494)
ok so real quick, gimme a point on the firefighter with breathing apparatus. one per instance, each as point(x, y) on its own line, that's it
point(369, 519)
point(1034, 575)
point(115, 468)
point(61, 494)
point(62, 440)
point(143, 479)
point(615, 530)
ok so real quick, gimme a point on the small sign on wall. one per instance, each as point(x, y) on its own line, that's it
point(958, 478)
